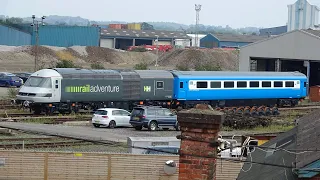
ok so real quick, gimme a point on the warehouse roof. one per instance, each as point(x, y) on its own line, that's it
point(238, 37)
point(314, 32)
point(144, 34)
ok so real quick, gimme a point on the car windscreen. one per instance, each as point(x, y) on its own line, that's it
point(101, 112)
point(137, 112)
point(14, 78)
point(39, 82)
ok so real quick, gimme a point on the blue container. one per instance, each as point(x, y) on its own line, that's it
point(13, 37)
point(66, 36)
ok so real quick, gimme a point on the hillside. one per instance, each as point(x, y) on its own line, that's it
point(15, 59)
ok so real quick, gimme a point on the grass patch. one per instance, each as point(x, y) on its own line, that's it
point(39, 121)
point(12, 92)
point(65, 55)
point(141, 66)
point(261, 129)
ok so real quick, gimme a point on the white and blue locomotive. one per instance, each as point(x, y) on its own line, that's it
point(71, 89)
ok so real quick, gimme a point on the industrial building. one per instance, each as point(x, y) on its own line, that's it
point(13, 37)
point(302, 15)
point(292, 51)
point(228, 40)
point(273, 31)
point(123, 38)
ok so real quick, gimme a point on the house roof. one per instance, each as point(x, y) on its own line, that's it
point(264, 156)
point(308, 138)
point(238, 37)
point(305, 136)
point(152, 34)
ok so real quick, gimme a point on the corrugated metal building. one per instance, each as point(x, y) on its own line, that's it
point(292, 51)
point(302, 15)
point(66, 36)
point(13, 37)
point(228, 40)
point(123, 38)
point(273, 31)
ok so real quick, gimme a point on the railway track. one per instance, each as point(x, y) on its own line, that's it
point(47, 119)
point(34, 145)
point(28, 139)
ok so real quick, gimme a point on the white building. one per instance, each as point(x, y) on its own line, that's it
point(187, 43)
point(302, 15)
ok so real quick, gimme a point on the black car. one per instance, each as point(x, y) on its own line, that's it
point(23, 76)
point(153, 117)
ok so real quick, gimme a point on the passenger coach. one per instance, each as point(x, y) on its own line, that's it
point(239, 88)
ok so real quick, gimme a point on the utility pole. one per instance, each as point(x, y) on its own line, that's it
point(36, 25)
point(198, 9)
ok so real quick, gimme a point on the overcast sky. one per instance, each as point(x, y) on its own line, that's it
point(235, 13)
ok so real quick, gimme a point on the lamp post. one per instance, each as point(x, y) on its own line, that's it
point(36, 24)
point(157, 51)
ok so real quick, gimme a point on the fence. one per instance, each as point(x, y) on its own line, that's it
point(28, 165)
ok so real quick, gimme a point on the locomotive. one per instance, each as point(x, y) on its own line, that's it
point(68, 90)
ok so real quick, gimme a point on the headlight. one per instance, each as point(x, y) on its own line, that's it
point(48, 95)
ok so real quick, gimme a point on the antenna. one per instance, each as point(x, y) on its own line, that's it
point(198, 9)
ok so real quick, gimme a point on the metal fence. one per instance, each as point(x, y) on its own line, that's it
point(29, 165)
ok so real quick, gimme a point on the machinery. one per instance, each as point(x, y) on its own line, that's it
point(71, 89)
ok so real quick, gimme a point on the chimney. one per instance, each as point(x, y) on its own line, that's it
point(198, 149)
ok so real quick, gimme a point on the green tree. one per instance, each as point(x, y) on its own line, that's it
point(96, 66)
point(66, 64)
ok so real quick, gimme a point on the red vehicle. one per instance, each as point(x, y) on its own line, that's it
point(162, 48)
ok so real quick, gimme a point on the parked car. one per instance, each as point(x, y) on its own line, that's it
point(24, 76)
point(111, 117)
point(9, 79)
point(153, 117)
point(158, 150)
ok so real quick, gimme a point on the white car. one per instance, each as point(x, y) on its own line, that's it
point(111, 117)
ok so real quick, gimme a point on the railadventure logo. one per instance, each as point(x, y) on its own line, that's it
point(92, 89)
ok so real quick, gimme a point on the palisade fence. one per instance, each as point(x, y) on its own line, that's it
point(31, 165)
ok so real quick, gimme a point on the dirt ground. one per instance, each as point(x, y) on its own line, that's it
point(22, 58)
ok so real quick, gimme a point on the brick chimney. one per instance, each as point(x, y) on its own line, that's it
point(198, 128)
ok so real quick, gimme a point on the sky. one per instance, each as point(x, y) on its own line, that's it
point(235, 13)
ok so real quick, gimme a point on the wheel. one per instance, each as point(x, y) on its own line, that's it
point(96, 125)
point(177, 127)
point(153, 126)
point(112, 124)
point(138, 128)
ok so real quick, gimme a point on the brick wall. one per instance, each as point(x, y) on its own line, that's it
point(199, 133)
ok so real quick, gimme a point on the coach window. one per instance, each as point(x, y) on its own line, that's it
point(278, 84)
point(241, 84)
point(289, 84)
point(266, 84)
point(229, 84)
point(181, 85)
point(215, 85)
point(159, 84)
point(254, 84)
point(202, 84)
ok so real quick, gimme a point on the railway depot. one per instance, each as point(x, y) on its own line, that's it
point(291, 51)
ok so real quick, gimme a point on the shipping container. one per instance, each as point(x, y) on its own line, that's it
point(124, 26)
point(66, 36)
point(115, 26)
point(13, 37)
point(134, 26)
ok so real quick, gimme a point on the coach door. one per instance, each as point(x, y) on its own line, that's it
point(182, 89)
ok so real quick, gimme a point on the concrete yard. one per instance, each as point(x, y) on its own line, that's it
point(88, 132)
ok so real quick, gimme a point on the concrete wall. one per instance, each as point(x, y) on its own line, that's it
point(292, 45)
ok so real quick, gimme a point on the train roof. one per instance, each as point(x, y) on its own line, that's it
point(87, 73)
point(235, 74)
point(154, 74)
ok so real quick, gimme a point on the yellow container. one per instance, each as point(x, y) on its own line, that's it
point(134, 26)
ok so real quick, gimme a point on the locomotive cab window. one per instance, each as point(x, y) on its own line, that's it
point(289, 84)
point(215, 85)
point(159, 84)
point(241, 84)
point(254, 84)
point(202, 84)
point(229, 84)
point(266, 84)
